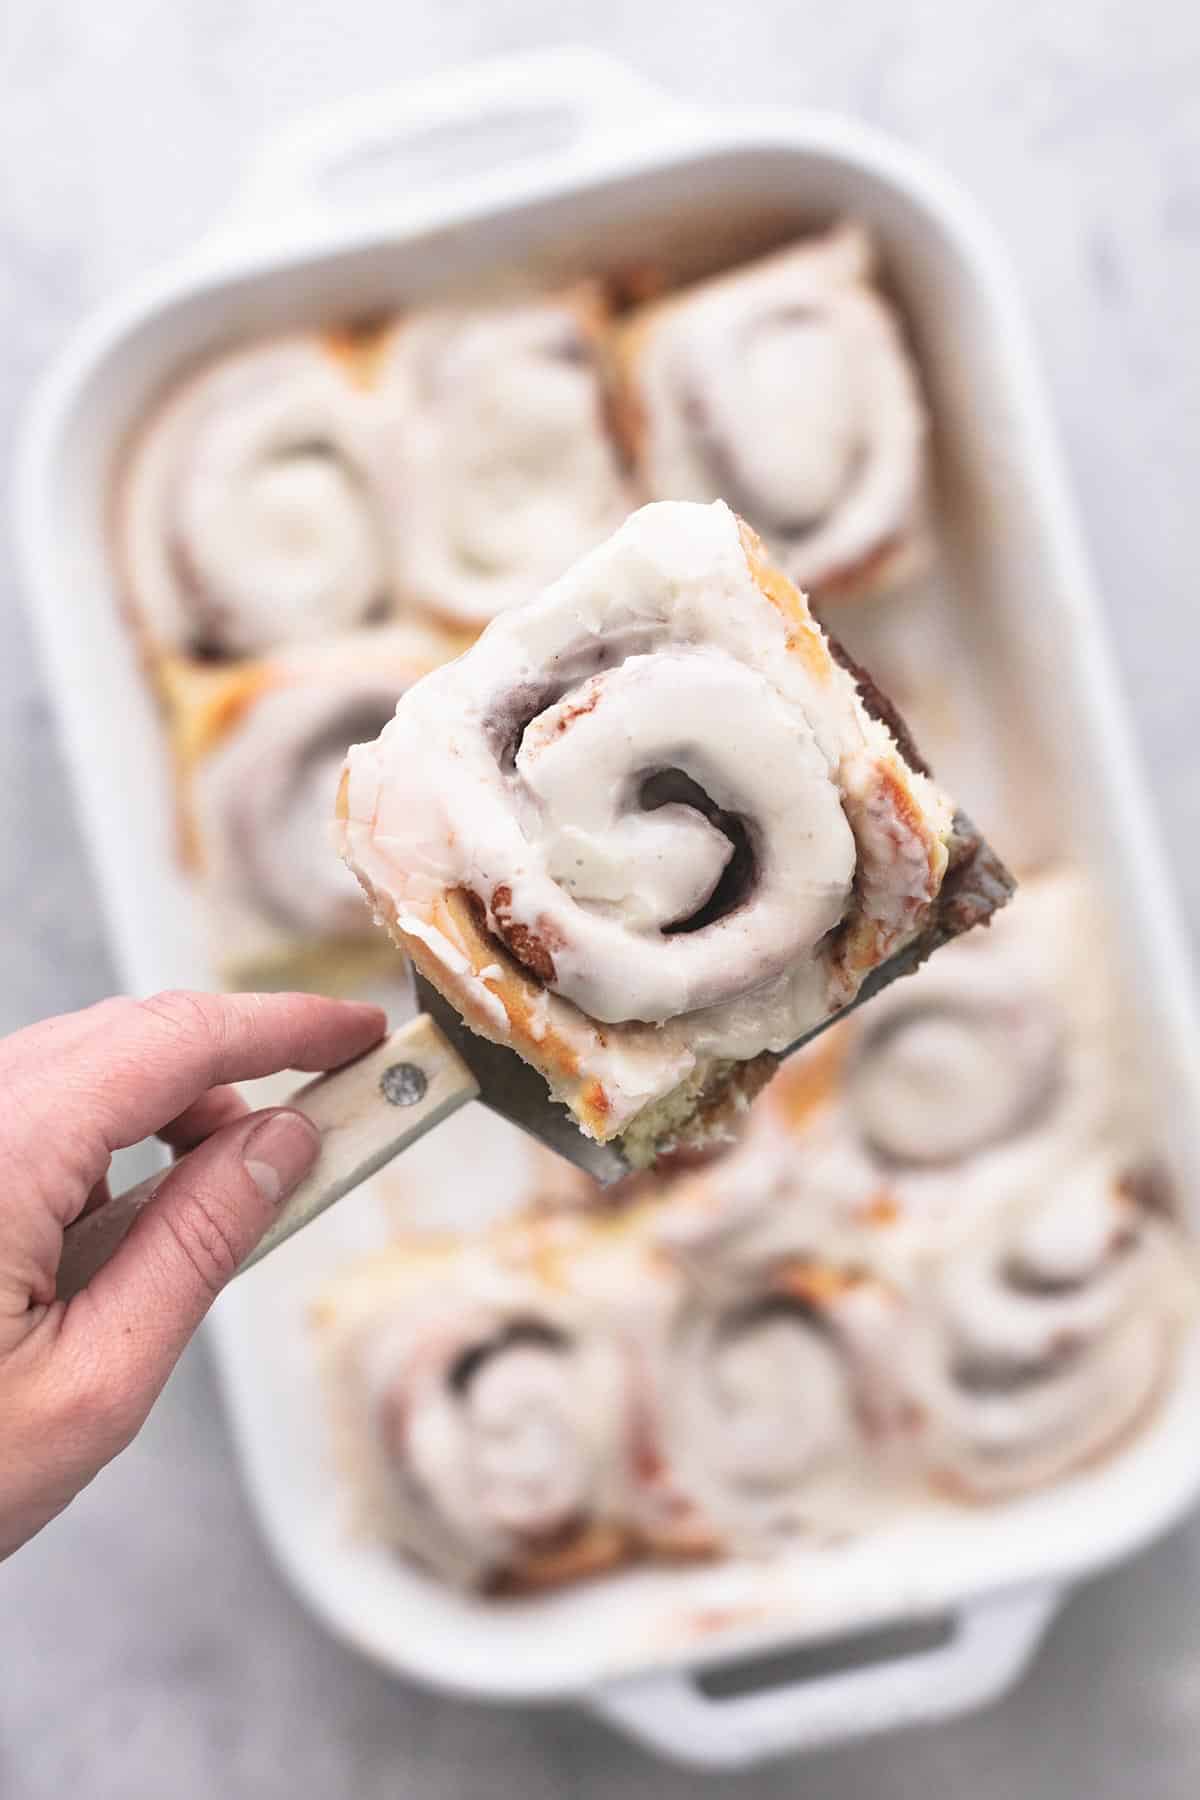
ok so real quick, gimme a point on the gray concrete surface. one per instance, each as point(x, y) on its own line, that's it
point(147, 1646)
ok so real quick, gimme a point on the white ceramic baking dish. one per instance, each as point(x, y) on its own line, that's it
point(565, 161)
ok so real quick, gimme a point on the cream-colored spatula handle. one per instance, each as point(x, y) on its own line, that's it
point(365, 1112)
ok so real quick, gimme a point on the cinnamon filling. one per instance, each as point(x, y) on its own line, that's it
point(524, 1332)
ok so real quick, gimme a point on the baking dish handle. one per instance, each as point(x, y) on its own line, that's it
point(988, 1647)
point(373, 152)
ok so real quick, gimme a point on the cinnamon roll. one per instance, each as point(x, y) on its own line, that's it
point(1039, 1347)
point(953, 1094)
point(489, 1418)
point(989, 1074)
point(785, 387)
point(248, 512)
point(776, 1373)
point(503, 469)
point(647, 832)
point(261, 747)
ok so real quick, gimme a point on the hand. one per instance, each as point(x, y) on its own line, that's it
point(77, 1379)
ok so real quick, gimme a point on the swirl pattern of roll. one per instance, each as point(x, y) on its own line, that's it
point(777, 1414)
point(492, 1422)
point(997, 1069)
point(248, 510)
point(785, 388)
point(956, 1092)
point(503, 468)
point(646, 831)
point(1039, 1347)
point(260, 746)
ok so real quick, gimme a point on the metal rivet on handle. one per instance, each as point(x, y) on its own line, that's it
point(403, 1084)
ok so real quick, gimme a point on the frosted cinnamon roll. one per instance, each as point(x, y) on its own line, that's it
point(785, 387)
point(261, 747)
point(775, 1402)
point(1039, 1347)
point(487, 1419)
point(953, 1094)
point(248, 512)
point(647, 832)
point(503, 470)
point(994, 1069)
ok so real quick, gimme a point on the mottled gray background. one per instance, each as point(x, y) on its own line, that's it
point(147, 1646)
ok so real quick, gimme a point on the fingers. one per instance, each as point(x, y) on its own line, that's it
point(220, 1106)
point(136, 1314)
point(144, 1062)
point(100, 1195)
point(79, 1379)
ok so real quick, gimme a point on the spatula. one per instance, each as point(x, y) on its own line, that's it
point(370, 1110)
point(367, 1112)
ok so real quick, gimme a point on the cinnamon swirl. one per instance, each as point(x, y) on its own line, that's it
point(502, 470)
point(260, 747)
point(647, 831)
point(248, 514)
point(774, 1431)
point(785, 387)
point(990, 1074)
point(1036, 1349)
point(954, 1093)
point(489, 1415)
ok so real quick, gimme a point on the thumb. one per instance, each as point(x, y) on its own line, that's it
point(206, 1217)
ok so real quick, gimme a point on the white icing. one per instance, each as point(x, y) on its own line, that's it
point(995, 1061)
point(249, 517)
point(483, 1437)
point(265, 796)
point(949, 1079)
point(764, 1427)
point(696, 676)
point(504, 471)
point(758, 1374)
point(493, 1006)
point(960, 1089)
point(1036, 1347)
point(785, 388)
point(524, 1457)
point(636, 872)
point(440, 945)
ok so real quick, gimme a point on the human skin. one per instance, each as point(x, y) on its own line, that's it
point(77, 1379)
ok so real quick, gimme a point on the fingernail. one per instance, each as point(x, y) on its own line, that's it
point(280, 1152)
